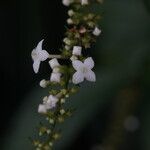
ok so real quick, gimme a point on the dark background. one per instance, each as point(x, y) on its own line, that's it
point(23, 23)
point(122, 56)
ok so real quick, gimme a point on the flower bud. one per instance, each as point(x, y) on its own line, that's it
point(67, 41)
point(70, 12)
point(54, 63)
point(62, 101)
point(77, 50)
point(51, 121)
point(67, 47)
point(97, 31)
point(43, 83)
point(67, 2)
point(73, 58)
point(55, 77)
point(62, 111)
point(84, 2)
point(70, 21)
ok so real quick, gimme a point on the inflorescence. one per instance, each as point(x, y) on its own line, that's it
point(65, 78)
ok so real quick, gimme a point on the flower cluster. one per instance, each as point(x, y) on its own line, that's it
point(64, 79)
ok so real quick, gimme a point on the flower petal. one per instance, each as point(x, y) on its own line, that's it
point(43, 55)
point(39, 46)
point(77, 64)
point(36, 66)
point(90, 76)
point(89, 62)
point(77, 78)
point(42, 109)
point(34, 55)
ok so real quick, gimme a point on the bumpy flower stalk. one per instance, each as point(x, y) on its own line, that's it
point(65, 78)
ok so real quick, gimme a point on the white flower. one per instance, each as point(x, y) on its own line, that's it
point(84, 2)
point(48, 103)
point(51, 102)
point(54, 63)
point(42, 108)
point(77, 50)
point(83, 71)
point(67, 2)
point(43, 83)
point(38, 55)
point(97, 31)
point(73, 58)
point(55, 77)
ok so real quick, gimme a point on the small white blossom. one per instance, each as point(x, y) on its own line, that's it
point(97, 31)
point(84, 2)
point(48, 103)
point(54, 63)
point(51, 102)
point(42, 108)
point(69, 21)
point(55, 77)
point(70, 12)
point(77, 50)
point(83, 71)
point(43, 83)
point(38, 55)
point(67, 2)
point(73, 58)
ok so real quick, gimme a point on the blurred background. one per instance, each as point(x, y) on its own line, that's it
point(111, 114)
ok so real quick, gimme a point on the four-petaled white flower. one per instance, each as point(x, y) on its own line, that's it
point(84, 2)
point(83, 71)
point(97, 31)
point(38, 55)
